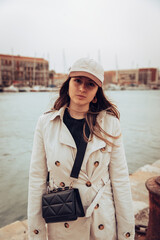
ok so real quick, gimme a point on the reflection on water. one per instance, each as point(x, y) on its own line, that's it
point(140, 114)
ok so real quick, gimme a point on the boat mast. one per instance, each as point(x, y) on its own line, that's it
point(116, 61)
point(12, 79)
point(99, 56)
point(64, 61)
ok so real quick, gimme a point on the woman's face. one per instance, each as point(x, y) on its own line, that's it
point(82, 90)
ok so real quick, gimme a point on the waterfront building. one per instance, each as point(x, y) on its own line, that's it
point(149, 76)
point(51, 78)
point(128, 77)
point(158, 77)
point(109, 77)
point(59, 78)
point(134, 77)
point(121, 77)
point(23, 71)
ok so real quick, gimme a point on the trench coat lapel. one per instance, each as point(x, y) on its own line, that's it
point(96, 142)
point(65, 136)
point(93, 146)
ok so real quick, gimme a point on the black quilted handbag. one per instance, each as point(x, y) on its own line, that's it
point(64, 204)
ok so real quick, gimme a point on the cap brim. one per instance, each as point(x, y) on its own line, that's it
point(86, 74)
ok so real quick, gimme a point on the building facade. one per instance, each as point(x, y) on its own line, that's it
point(59, 79)
point(149, 76)
point(159, 78)
point(134, 77)
point(122, 77)
point(127, 77)
point(110, 77)
point(23, 71)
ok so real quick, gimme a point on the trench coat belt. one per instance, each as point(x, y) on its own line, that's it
point(90, 209)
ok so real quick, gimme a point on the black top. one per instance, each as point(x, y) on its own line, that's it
point(75, 127)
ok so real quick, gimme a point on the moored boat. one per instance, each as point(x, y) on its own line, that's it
point(24, 89)
point(10, 89)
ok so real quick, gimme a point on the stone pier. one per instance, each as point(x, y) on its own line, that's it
point(18, 229)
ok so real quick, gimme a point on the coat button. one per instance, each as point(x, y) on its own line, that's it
point(96, 163)
point(62, 184)
point(103, 149)
point(66, 225)
point(88, 184)
point(57, 163)
point(127, 235)
point(101, 226)
point(97, 206)
point(36, 231)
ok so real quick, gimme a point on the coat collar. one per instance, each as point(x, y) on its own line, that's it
point(56, 113)
point(66, 137)
point(60, 113)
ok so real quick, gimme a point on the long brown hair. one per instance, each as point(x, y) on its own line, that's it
point(94, 109)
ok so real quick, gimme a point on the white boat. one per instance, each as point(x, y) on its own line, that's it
point(138, 87)
point(10, 89)
point(24, 89)
point(53, 89)
point(44, 89)
point(35, 88)
point(113, 87)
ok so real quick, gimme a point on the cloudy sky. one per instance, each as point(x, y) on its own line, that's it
point(119, 34)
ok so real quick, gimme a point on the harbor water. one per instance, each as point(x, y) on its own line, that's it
point(140, 123)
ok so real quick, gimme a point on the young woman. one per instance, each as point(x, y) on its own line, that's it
point(103, 180)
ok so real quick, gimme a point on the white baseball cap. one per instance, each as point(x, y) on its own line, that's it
point(88, 68)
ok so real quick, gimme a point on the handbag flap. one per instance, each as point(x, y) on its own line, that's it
point(58, 203)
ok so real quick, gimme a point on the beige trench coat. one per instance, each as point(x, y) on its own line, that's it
point(107, 202)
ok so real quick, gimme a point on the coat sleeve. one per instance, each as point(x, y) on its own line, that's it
point(37, 186)
point(119, 176)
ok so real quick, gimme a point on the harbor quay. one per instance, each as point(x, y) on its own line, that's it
point(18, 230)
